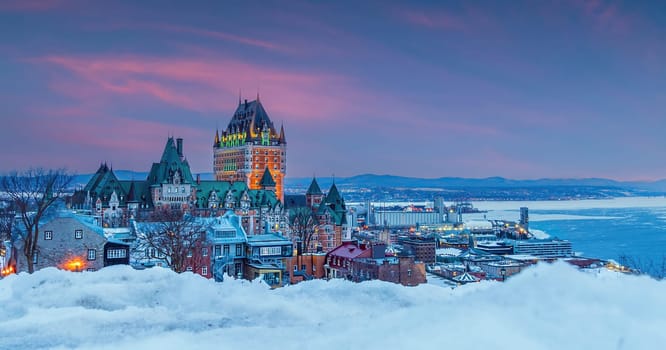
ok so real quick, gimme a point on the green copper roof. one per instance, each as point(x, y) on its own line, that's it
point(334, 205)
point(267, 179)
point(235, 192)
point(250, 115)
point(170, 165)
point(314, 188)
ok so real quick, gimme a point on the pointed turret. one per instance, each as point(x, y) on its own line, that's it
point(314, 195)
point(283, 138)
point(217, 138)
point(335, 205)
point(267, 181)
point(314, 188)
point(131, 197)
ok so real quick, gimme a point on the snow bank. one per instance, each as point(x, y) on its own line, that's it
point(547, 307)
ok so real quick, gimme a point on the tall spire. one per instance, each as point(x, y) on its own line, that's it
point(239, 96)
point(217, 137)
point(258, 96)
point(283, 139)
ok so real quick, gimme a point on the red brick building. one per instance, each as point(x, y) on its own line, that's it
point(339, 260)
point(422, 248)
point(305, 267)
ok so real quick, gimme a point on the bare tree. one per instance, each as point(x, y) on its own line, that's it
point(7, 215)
point(32, 193)
point(175, 238)
point(654, 268)
point(302, 222)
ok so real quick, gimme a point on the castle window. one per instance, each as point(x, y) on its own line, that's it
point(78, 234)
point(48, 235)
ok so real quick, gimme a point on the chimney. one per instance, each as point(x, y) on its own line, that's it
point(246, 103)
point(198, 179)
point(179, 146)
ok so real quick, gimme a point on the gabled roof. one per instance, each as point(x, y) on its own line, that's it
point(465, 278)
point(102, 185)
point(235, 190)
point(314, 188)
point(251, 117)
point(84, 220)
point(351, 250)
point(267, 179)
point(334, 205)
point(97, 177)
point(170, 164)
point(137, 192)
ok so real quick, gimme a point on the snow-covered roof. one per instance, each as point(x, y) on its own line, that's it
point(448, 251)
point(465, 278)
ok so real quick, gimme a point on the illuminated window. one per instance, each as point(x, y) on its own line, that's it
point(92, 254)
point(116, 253)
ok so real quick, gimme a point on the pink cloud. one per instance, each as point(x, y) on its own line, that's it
point(433, 19)
point(221, 36)
point(200, 84)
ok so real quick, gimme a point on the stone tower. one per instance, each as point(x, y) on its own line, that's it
point(249, 147)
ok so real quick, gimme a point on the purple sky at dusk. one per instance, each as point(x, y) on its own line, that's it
point(520, 89)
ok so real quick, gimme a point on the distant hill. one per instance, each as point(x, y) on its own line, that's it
point(392, 181)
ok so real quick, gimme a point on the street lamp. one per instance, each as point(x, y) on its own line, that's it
point(503, 273)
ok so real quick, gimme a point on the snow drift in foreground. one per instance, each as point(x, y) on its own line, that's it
point(547, 307)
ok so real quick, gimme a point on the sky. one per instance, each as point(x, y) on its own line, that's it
point(520, 89)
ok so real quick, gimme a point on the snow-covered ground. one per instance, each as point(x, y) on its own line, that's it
point(547, 307)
